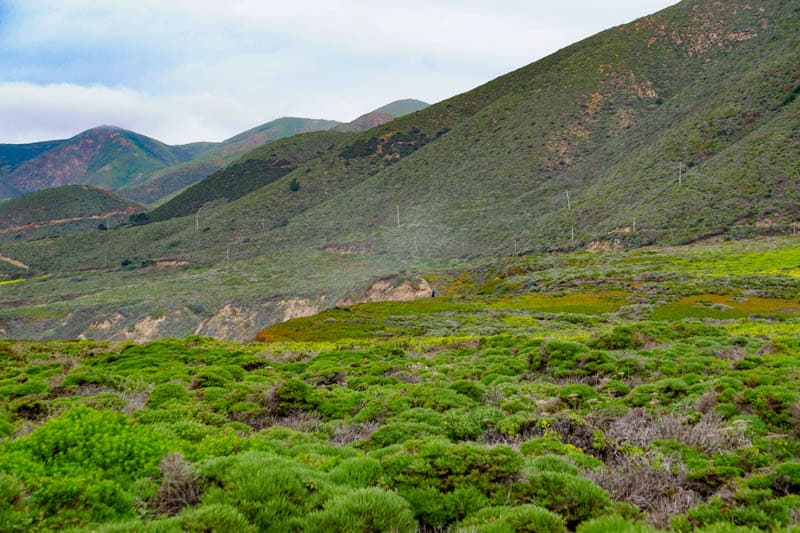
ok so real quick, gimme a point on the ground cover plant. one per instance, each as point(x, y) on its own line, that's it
point(641, 391)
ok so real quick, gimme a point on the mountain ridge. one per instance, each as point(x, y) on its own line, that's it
point(580, 150)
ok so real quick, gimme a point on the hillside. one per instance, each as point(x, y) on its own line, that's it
point(382, 115)
point(579, 150)
point(525, 397)
point(174, 178)
point(252, 171)
point(61, 210)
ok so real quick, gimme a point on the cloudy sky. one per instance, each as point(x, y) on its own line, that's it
point(189, 70)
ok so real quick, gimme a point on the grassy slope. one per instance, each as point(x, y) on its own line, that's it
point(60, 211)
point(252, 171)
point(61, 202)
point(174, 178)
point(607, 119)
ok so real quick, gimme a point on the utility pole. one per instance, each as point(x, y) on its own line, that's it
point(416, 249)
point(398, 215)
point(572, 235)
point(569, 204)
point(197, 220)
point(515, 246)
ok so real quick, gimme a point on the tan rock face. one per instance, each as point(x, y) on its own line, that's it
point(230, 322)
point(143, 330)
point(298, 308)
point(385, 290)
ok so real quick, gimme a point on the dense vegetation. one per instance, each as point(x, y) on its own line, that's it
point(588, 392)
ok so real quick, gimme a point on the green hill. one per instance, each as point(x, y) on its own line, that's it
point(107, 157)
point(705, 86)
point(172, 179)
point(61, 210)
point(400, 108)
point(253, 171)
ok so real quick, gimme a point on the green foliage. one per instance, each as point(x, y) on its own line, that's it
point(522, 519)
point(364, 510)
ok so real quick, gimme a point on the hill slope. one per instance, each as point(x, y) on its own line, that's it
point(61, 210)
point(382, 115)
point(707, 86)
point(253, 171)
point(174, 178)
point(106, 156)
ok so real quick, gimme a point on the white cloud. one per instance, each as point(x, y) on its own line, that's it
point(199, 69)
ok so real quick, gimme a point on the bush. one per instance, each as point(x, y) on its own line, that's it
point(357, 472)
point(292, 396)
point(215, 518)
point(167, 393)
point(614, 524)
point(364, 510)
point(521, 519)
point(573, 497)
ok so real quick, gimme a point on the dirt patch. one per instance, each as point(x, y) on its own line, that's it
point(11, 260)
point(298, 308)
point(604, 246)
point(389, 290)
point(230, 322)
point(107, 323)
point(144, 330)
point(348, 249)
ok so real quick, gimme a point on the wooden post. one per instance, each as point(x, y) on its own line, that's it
point(398, 215)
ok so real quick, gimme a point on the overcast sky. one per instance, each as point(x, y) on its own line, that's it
point(190, 70)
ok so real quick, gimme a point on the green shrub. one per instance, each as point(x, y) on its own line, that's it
point(613, 524)
point(273, 493)
point(364, 510)
point(214, 518)
point(577, 395)
point(551, 463)
point(357, 472)
point(167, 393)
point(786, 478)
point(573, 497)
point(522, 519)
point(292, 396)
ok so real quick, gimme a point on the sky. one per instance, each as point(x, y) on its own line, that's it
point(203, 70)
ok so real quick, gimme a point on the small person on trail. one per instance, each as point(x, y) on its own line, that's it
point(433, 293)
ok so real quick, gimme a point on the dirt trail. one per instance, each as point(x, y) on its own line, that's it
point(101, 216)
point(13, 261)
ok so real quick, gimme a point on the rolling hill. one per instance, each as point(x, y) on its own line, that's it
point(62, 210)
point(106, 156)
point(382, 115)
point(252, 171)
point(138, 167)
point(678, 127)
